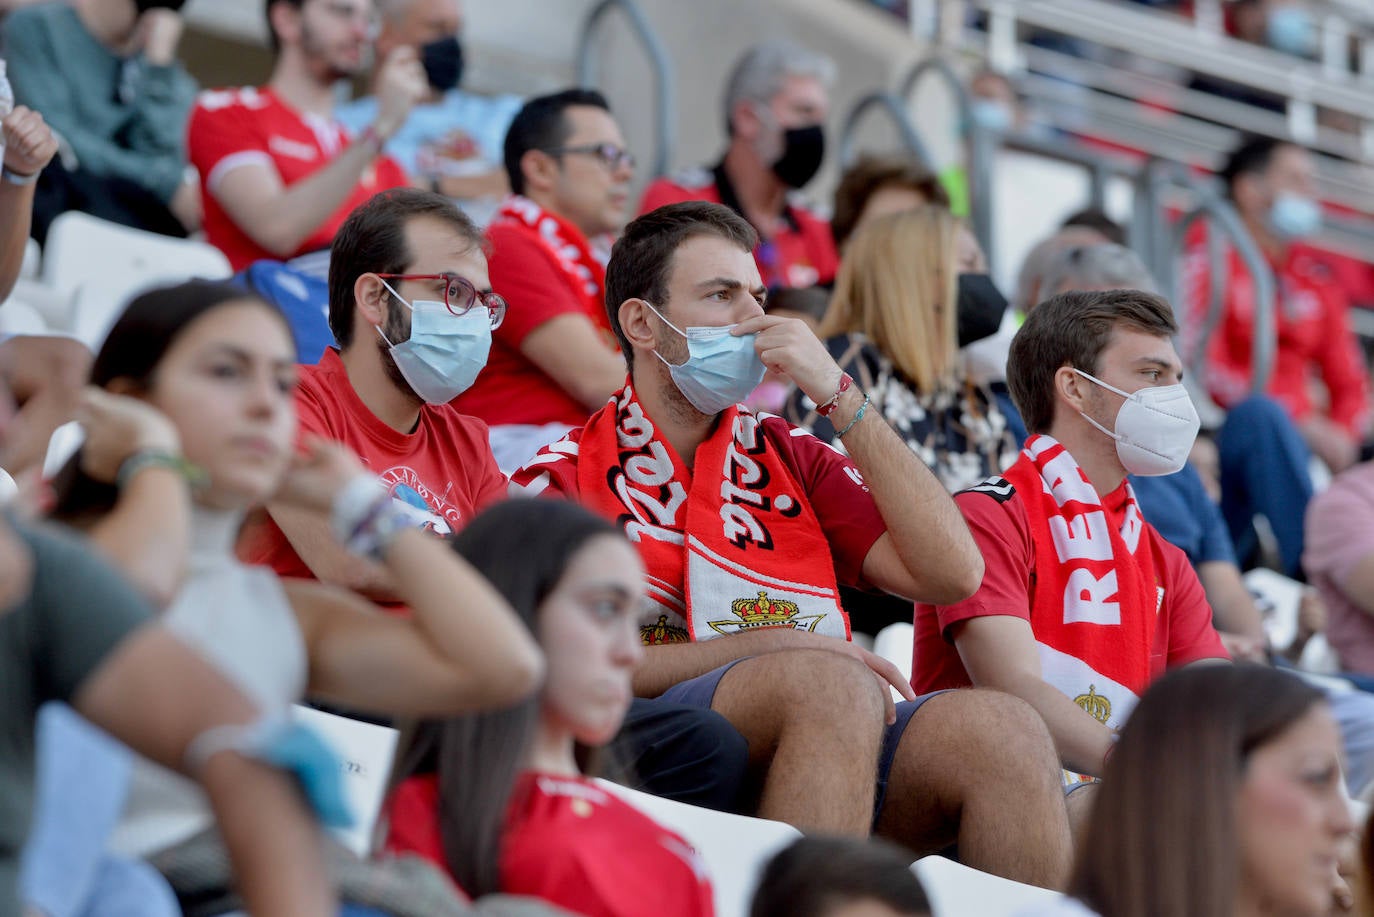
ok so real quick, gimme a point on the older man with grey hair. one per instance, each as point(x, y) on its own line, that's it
point(1100, 266)
point(776, 102)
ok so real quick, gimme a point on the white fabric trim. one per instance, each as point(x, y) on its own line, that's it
point(233, 161)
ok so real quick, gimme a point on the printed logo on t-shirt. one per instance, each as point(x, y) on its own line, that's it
point(406, 486)
point(285, 146)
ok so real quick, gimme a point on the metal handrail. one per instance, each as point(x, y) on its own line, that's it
point(1224, 217)
point(981, 144)
point(665, 120)
point(888, 103)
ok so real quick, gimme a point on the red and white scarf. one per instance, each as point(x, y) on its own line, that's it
point(730, 546)
point(1096, 597)
point(570, 249)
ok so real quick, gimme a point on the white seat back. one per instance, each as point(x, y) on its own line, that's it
point(367, 751)
point(104, 264)
point(956, 890)
point(894, 643)
point(734, 847)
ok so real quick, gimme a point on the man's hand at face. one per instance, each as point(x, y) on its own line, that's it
point(788, 347)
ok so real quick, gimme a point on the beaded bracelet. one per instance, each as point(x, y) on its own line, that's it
point(858, 416)
point(158, 458)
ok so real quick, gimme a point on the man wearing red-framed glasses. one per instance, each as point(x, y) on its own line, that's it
point(411, 310)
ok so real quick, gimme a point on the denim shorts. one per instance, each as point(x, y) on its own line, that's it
point(700, 691)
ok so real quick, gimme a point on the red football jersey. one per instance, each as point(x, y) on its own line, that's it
point(231, 127)
point(573, 844)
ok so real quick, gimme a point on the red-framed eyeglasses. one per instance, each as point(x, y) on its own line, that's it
point(460, 295)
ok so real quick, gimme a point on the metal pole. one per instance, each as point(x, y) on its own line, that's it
point(665, 115)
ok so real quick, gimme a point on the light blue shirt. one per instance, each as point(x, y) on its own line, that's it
point(483, 118)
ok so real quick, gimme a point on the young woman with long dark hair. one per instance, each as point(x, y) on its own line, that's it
point(191, 422)
point(500, 799)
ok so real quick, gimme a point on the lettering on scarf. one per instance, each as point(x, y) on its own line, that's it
point(742, 485)
point(644, 479)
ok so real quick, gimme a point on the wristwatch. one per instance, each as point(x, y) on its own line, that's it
point(14, 178)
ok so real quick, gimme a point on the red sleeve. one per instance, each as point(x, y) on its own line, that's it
point(534, 288)
point(661, 192)
point(997, 519)
point(413, 820)
point(490, 485)
point(1191, 634)
point(837, 494)
point(220, 126)
point(1342, 366)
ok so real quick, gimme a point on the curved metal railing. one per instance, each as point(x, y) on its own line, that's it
point(665, 108)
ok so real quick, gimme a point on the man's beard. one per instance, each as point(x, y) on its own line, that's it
point(397, 331)
point(319, 54)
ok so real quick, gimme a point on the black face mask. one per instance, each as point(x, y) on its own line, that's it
point(443, 63)
point(802, 151)
point(981, 306)
point(146, 5)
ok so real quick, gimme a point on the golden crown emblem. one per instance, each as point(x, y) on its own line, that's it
point(661, 633)
point(764, 609)
point(1097, 706)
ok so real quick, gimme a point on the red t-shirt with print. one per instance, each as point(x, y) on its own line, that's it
point(232, 127)
point(444, 466)
point(573, 844)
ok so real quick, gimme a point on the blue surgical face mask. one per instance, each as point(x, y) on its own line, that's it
point(721, 368)
point(1290, 29)
point(445, 351)
point(1295, 216)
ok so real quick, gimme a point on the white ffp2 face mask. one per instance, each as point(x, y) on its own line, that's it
point(1155, 427)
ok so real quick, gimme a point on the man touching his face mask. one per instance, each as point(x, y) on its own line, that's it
point(776, 103)
point(452, 138)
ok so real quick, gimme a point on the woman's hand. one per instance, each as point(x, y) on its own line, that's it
point(317, 474)
point(117, 427)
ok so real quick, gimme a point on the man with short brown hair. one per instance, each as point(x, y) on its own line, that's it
point(748, 526)
point(1083, 602)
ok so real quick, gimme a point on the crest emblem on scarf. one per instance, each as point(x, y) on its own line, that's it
point(754, 613)
point(661, 633)
point(1097, 706)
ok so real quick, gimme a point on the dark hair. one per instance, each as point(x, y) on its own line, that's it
point(133, 350)
point(1162, 835)
point(542, 125)
point(1252, 157)
point(1072, 329)
point(1094, 218)
point(816, 875)
point(373, 239)
point(642, 257)
point(273, 39)
point(872, 174)
point(523, 547)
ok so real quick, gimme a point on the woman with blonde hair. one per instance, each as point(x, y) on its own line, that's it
point(893, 326)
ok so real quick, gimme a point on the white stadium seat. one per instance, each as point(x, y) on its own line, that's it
point(103, 265)
point(734, 847)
